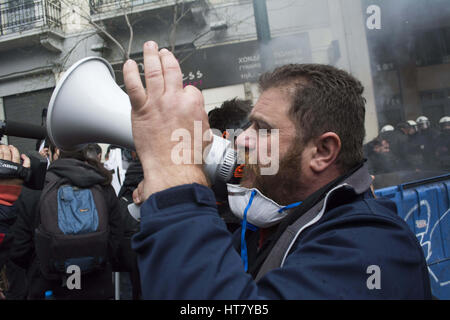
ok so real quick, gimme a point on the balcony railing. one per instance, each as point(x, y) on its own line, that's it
point(101, 6)
point(21, 15)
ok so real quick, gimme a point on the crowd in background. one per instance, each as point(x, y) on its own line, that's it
point(418, 146)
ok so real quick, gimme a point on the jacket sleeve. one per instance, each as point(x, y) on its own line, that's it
point(185, 252)
point(8, 195)
point(7, 218)
point(22, 251)
point(361, 256)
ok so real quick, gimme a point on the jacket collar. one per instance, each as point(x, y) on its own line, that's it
point(356, 182)
point(360, 180)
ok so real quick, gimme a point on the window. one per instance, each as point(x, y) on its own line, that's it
point(435, 104)
point(433, 47)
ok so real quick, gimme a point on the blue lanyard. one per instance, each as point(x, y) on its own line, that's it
point(290, 206)
point(244, 255)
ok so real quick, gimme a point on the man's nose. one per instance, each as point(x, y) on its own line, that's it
point(247, 139)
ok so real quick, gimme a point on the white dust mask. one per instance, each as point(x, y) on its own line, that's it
point(262, 212)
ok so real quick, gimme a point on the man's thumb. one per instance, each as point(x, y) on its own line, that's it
point(26, 161)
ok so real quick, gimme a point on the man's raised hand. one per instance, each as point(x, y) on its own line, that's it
point(157, 111)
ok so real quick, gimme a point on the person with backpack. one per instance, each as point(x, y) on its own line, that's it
point(67, 235)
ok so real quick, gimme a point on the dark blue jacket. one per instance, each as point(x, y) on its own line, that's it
point(185, 252)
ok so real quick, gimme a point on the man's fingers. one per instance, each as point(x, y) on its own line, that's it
point(5, 154)
point(136, 197)
point(15, 154)
point(133, 84)
point(154, 79)
point(44, 152)
point(196, 97)
point(173, 79)
point(26, 161)
point(137, 193)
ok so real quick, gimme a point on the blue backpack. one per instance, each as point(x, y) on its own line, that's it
point(73, 228)
point(77, 213)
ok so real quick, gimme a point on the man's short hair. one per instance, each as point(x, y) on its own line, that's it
point(232, 114)
point(324, 99)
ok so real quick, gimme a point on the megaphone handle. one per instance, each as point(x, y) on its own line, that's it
point(135, 211)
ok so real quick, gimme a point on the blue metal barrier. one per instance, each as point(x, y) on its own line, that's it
point(425, 206)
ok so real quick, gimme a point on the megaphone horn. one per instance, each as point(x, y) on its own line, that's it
point(87, 106)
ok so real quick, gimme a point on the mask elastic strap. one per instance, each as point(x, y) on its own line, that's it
point(244, 256)
point(290, 206)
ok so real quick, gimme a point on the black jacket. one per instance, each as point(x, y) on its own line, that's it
point(79, 174)
point(133, 176)
point(7, 218)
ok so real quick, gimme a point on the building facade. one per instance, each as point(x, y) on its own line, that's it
point(410, 60)
point(216, 42)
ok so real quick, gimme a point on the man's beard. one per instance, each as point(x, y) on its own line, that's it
point(285, 184)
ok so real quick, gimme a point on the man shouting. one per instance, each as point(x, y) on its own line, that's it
point(316, 230)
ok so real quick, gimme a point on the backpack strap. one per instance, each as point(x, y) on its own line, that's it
point(51, 180)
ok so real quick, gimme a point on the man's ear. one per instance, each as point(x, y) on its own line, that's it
point(327, 148)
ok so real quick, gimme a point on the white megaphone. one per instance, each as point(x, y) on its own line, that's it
point(87, 106)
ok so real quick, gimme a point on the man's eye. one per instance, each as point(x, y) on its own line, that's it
point(253, 124)
point(247, 125)
point(260, 125)
point(264, 126)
